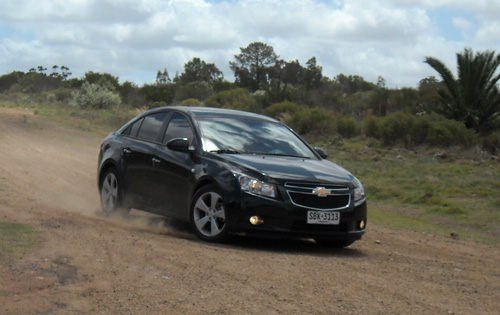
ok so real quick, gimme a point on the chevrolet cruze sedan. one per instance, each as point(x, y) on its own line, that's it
point(229, 172)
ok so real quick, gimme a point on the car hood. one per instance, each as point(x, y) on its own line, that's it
point(292, 168)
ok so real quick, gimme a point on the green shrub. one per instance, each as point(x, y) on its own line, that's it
point(191, 102)
point(62, 95)
point(262, 99)
point(371, 126)
point(200, 90)
point(396, 128)
point(446, 132)
point(34, 82)
point(281, 110)
point(95, 96)
point(491, 143)
point(420, 130)
point(410, 130)
point(51, 98)
point(346, 126)
point(235, 99)
point(312, 120)
point(316, 120)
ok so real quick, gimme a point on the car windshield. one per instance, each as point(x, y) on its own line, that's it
point(229, 135)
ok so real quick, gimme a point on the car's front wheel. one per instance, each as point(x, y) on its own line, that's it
point(111, 194)
point(333, 243)
point(208, 215)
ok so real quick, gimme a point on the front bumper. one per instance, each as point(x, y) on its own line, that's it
point(283, 219)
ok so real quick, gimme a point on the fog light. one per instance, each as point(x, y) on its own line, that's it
point(256, 220)
point(362, 224)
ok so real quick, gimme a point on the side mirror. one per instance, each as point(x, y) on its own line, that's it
point(321, 152)
point(180, 144)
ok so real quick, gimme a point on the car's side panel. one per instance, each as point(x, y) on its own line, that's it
point(137, 170)
point(173, 181)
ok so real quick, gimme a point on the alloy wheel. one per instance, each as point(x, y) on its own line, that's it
point(209, 216)
point(109, 193)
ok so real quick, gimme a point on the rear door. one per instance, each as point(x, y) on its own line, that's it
point(138, 151)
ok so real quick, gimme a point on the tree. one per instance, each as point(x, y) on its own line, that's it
point(380, 82)
point(7, 81)
point(285, 74)
point(33, 82)
point(65, 72)
point(353, 83)
point(252, 65)
point(280, 76)
point(473, 97)
point(428, 95)
point(199, 90)
point(162, 78)
point(292, 72)
point(199, 70)
point(55, 73)
point(313, 74)
point(157, 93)
point(129, 93)
point(104, 79)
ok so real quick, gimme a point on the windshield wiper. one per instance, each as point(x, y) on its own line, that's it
point(281, 154)
point(227, 151)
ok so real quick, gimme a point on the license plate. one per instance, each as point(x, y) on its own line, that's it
point(323, 217)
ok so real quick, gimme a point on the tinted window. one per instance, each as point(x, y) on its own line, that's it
point(178, 127)
point(133, 128)
point(151, 126)
point(126, 132)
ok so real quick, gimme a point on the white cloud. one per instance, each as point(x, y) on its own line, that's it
point(462, 24)
point(133, 39)
point(488, 34)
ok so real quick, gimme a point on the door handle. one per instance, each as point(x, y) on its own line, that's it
point(127, 151)
point(155, 161)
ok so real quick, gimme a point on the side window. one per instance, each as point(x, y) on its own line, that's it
point(132, 129)
point(178, 127)
point(150, 128)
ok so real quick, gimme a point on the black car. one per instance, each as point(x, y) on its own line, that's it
point(229, 172)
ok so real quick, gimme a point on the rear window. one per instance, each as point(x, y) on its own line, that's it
point(133, 128)
point(150, 128)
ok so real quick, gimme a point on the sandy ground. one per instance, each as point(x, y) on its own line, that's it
point(142, 264)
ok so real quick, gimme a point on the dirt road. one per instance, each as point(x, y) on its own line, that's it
point(87, 263)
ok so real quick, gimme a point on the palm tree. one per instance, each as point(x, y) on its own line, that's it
point(474, 96)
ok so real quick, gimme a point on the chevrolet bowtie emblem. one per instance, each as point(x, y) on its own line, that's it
point(321, 191)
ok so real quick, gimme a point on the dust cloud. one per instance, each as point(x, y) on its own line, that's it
point(146, 222)
point(56, 168)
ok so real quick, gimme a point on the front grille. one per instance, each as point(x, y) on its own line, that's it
point(309, 200)
point(306, 186)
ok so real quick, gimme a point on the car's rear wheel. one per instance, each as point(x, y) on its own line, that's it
point(333, 243)
point(208, 215)
point(111, 194)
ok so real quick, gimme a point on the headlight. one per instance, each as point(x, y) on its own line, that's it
point(359, 192)
point(255, 186)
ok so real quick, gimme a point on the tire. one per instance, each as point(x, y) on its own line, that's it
point(333, 243)
point(208, 215)
point(111, 194)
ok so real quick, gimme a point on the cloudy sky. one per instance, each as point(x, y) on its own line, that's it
point(133, 39)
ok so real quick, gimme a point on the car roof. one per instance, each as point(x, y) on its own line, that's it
point(212, 112)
